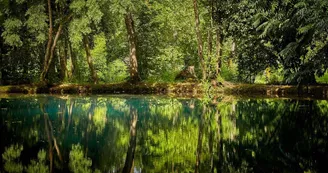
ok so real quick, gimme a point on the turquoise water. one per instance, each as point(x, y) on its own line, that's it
point(161, 134)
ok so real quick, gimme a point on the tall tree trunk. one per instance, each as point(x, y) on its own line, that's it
point(219, 42)
point(134, 75)
point(199, 40)
point(210, 43)
point(129, 161)
point(63, 62)
point(46, 58)
point(89, 59)
point(74, 69)
point(1, 66)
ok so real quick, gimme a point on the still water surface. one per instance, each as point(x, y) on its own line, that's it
point(161, 134)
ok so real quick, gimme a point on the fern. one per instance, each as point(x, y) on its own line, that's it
point(305, 29)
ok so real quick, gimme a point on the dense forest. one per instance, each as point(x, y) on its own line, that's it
point(110, 41)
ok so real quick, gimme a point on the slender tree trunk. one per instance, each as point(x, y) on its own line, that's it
point(89, 60)
point(209, 53)
point(1, 66)
point(219, 42)
point(63, 62)
point(46, 58)
point(199, 40)
point(210, 44)
point(129, 161)
point(210, 32)
point(74, 70)
point(134, 75)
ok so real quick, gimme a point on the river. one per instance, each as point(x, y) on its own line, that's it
point(44, 133)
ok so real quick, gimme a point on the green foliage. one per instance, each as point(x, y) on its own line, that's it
point(287, 35)
point(12, 26)
point(323, 79)
point(36, 23)
point(117, 71)
point(99, 55)
point(229, 72)
point(87, 13)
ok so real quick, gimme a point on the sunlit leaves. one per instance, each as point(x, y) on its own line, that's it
point(86, 13)
point(117, 71)
point(36, 22)
point(99, 54)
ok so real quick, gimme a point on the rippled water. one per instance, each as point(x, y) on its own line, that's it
point(161, 134)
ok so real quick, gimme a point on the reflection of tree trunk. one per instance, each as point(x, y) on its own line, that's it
point(129, 161)
point(70, 112)
point(210, 144)
point(134, 76)
point(49, 140)
point(55, 141)
point(200, 141)
point(219, 143)
point(89, 59)
point(89, 119)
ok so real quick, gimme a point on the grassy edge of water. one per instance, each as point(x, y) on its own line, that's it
point(182, 89)
point(119, 88)
point(280, 91)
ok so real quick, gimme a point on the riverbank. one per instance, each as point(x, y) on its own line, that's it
point(278, 91)
point(119, 88)
point(188, 89)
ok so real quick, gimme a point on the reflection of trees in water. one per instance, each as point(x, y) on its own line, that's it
point(275, 136)
point(174, 135)
point(129, 160)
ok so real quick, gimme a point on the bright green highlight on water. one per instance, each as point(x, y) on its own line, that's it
point(162, 134)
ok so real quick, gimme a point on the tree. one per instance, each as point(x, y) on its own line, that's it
point(199, 40)
point(134, 75)
point(51, 45)
point(89, 59)
point(285, 33)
